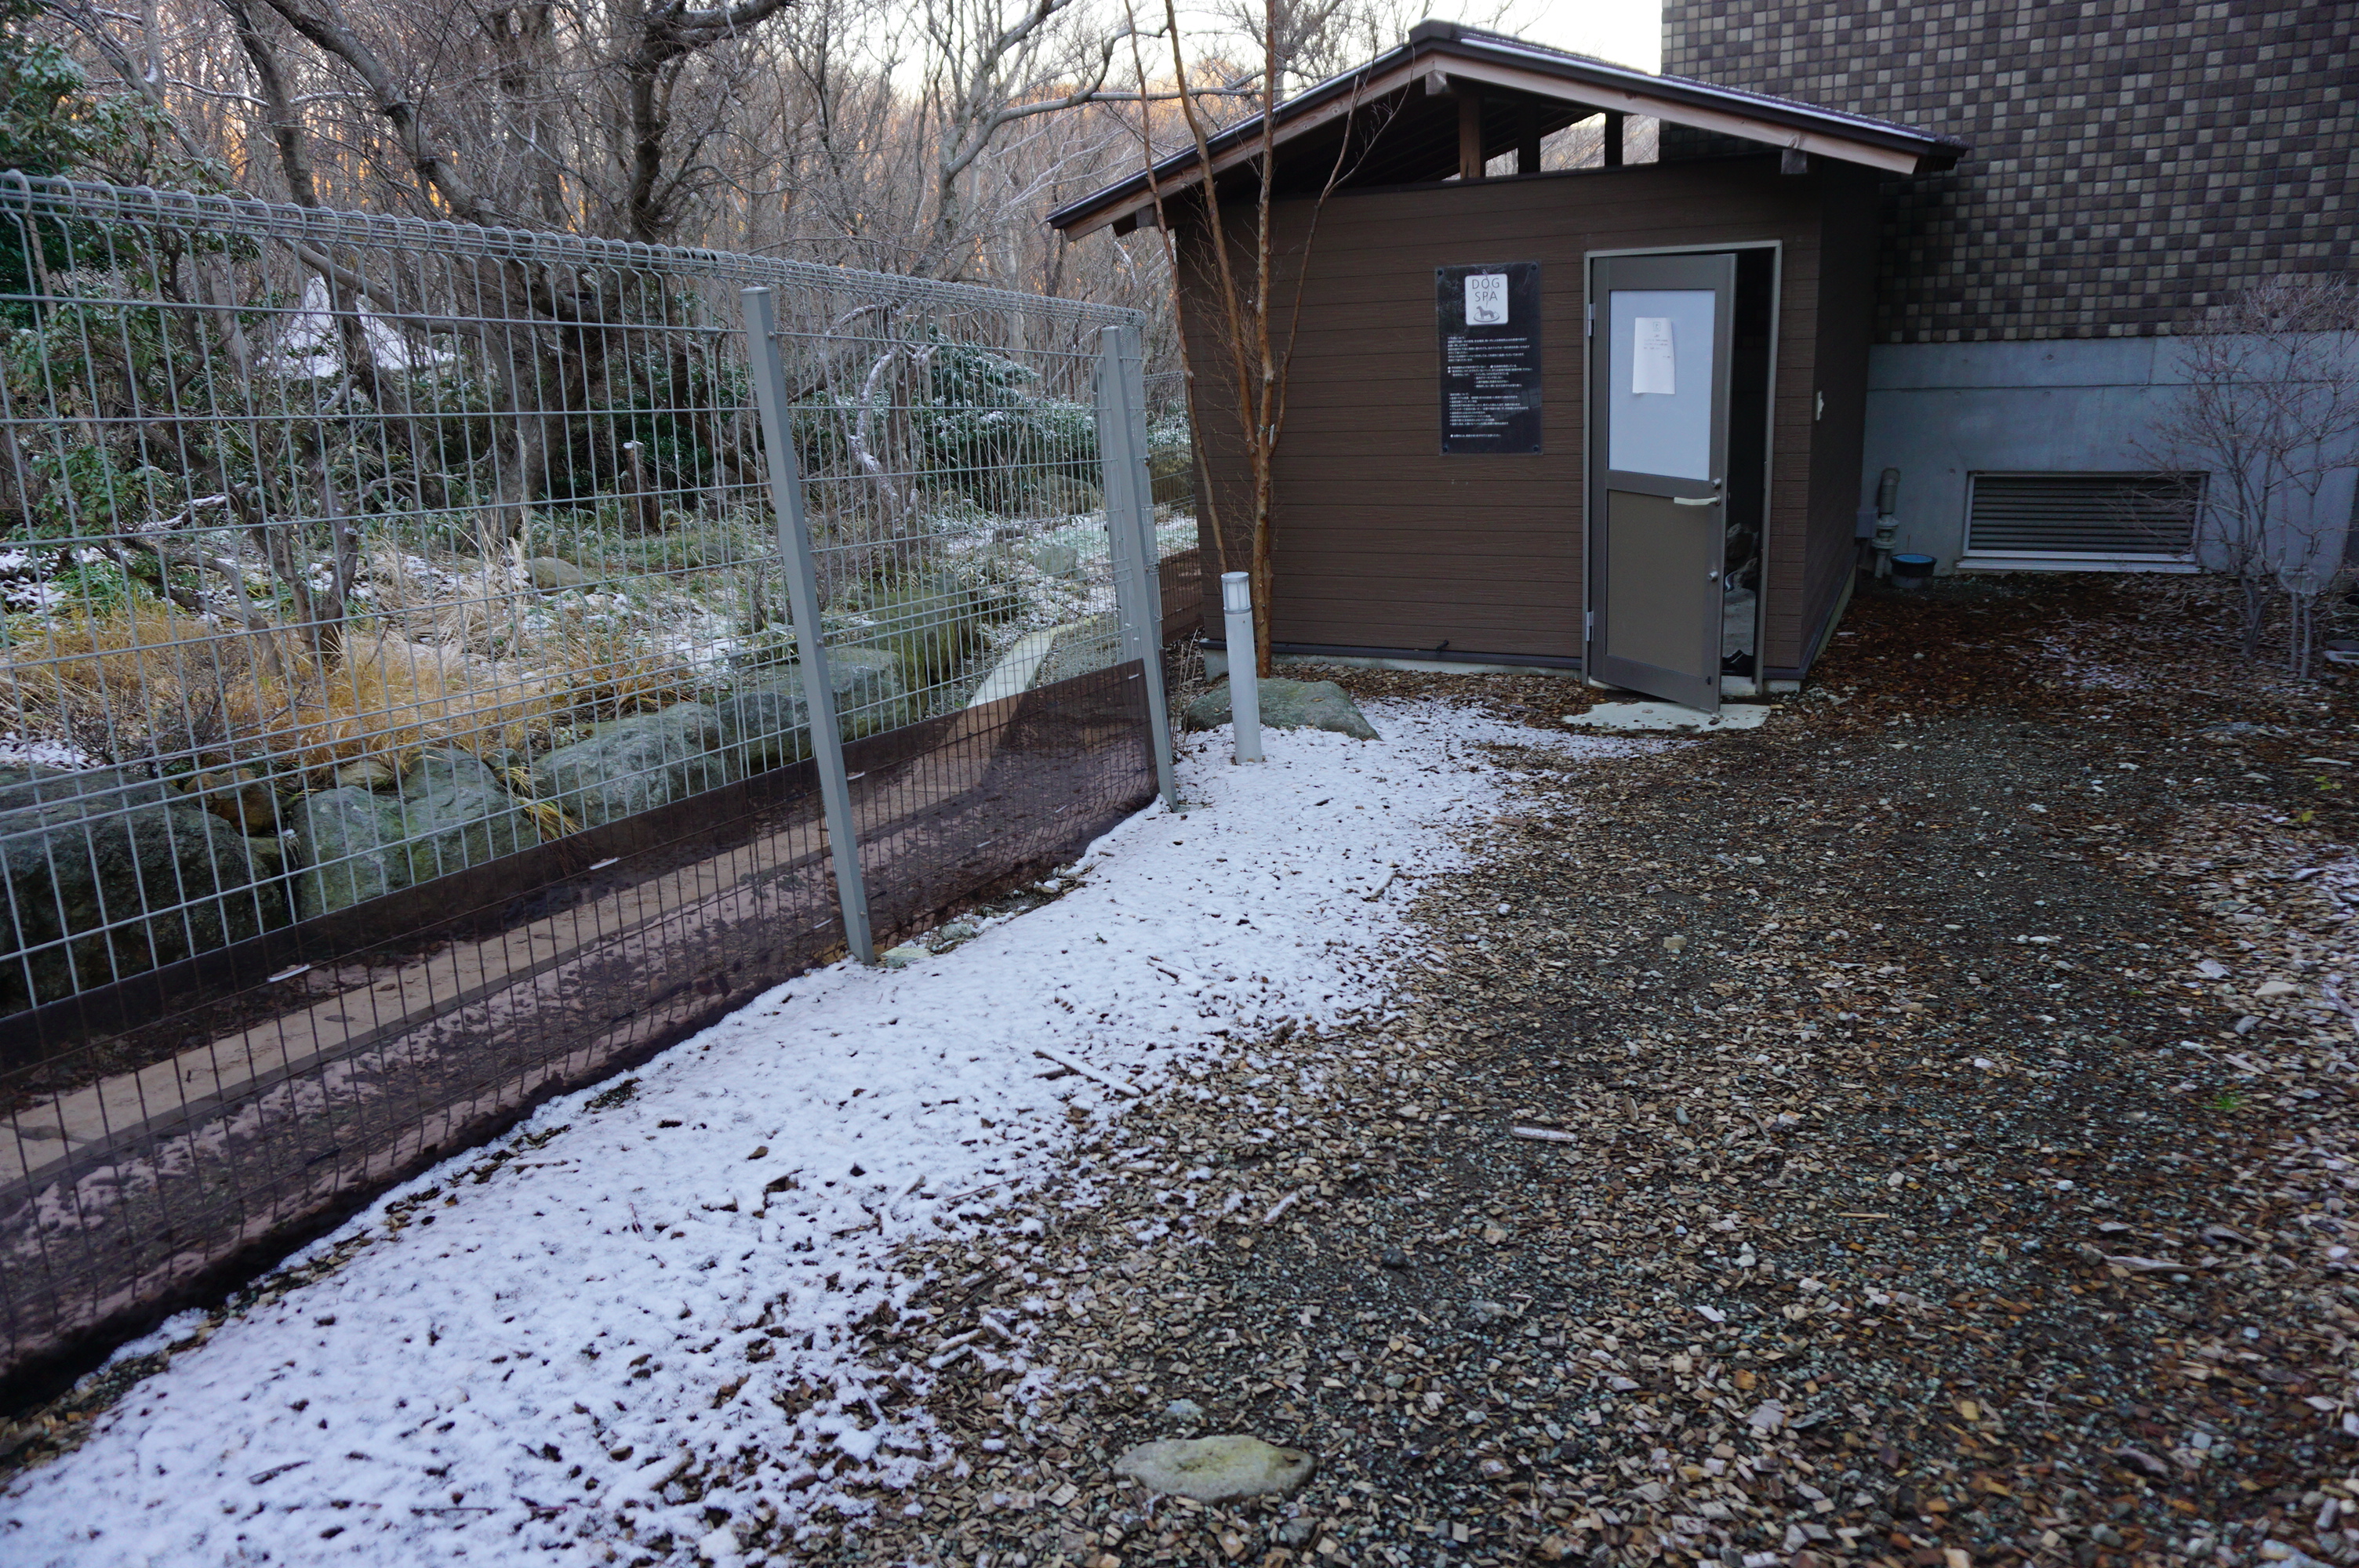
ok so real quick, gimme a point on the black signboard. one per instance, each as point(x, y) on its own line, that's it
point(1489, 318)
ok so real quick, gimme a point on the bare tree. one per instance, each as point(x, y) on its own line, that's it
point(1252, 330)
point(2269, 412)
point(991, 71)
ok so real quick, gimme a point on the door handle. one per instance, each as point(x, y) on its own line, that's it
point(1695, 501)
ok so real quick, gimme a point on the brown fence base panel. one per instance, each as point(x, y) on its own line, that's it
point(188, 1126)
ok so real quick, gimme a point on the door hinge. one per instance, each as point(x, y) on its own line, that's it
point(1589, 329)
point(1588, 624)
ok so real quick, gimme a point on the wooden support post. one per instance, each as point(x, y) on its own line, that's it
point(1470, 133)
point(1613, 140)
point(646, 516)
point(1527, 139)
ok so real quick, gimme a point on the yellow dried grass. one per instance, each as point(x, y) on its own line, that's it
point(610, 666)
point(391, 698)
point(148, 679)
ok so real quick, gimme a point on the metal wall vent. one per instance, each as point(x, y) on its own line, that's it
point(2107, 516)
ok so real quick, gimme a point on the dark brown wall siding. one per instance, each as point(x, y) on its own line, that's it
point(1846, 324)
point(1383, 542)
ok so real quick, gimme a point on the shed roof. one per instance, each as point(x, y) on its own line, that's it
point(1576, 86)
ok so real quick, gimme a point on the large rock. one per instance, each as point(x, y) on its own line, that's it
point(1217, 1469)
point(1288, 705)
point(109, 874)
point(635, 764)
point(446, 812)
point(348, 841)
point(769, 725)
point(932, 627)
point(1057, 560)
point(455, 813)
point(1066, 495)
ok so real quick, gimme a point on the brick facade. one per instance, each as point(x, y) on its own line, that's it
point(2131, 161)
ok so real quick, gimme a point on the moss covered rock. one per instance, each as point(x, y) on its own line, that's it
point(110, 874)
point(1288, 705)
point(767, 725)
point(444, 812)
point(635, 764)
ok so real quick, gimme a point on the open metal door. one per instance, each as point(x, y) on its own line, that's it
point(1658, 392)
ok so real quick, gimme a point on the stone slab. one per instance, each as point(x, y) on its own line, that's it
point(1639, 717)
point(1217, 1469)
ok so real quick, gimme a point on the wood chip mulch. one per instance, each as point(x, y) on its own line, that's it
point(1945, 1134)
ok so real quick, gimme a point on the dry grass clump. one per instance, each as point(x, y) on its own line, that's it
point(475, 608)
point(391, 698)
point(146, 682)
point(611, 666)
point(602, 659)
point(465, 655)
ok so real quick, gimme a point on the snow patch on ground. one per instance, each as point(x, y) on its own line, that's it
point(16, 752)
point(533, 1347)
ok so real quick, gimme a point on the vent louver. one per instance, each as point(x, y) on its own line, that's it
point(2114, 516)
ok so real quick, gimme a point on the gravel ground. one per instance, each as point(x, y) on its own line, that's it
point(1945, 1113)
point(1935, 1128)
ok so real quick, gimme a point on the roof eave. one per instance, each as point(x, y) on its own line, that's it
point(1889, 148)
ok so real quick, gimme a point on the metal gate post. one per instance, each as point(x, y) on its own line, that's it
point(1130, 524)
point(802, 597)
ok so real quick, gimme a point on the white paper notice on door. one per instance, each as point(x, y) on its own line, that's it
point(1653, 368)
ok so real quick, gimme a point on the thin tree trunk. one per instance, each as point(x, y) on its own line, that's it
point(286, 123)
point(1207, 502)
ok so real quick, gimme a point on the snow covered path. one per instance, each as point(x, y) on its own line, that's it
point(517, 1353)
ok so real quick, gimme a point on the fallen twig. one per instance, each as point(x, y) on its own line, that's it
point(1543, 1135)
point(1288, 1202)
point(1108, 1079)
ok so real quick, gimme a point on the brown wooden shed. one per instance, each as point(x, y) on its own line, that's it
point(1605, 419)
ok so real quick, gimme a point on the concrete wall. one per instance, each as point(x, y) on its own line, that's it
point(1941, 411)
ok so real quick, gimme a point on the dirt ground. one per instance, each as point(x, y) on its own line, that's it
point(1943, 1109)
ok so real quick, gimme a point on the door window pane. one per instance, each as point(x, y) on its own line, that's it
point(1658, 382)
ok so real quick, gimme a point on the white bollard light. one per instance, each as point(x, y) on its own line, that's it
point(1244, 696)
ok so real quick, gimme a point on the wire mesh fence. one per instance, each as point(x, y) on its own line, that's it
point(403, 717)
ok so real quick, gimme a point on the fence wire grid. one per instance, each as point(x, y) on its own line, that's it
point(402, 718)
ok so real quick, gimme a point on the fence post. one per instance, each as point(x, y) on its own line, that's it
point(802, 597)
point(1130, 526)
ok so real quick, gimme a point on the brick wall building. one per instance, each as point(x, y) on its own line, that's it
point(2132, 162)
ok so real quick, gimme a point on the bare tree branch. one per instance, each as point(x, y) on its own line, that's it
point(432, 167)
point(2269, 412)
